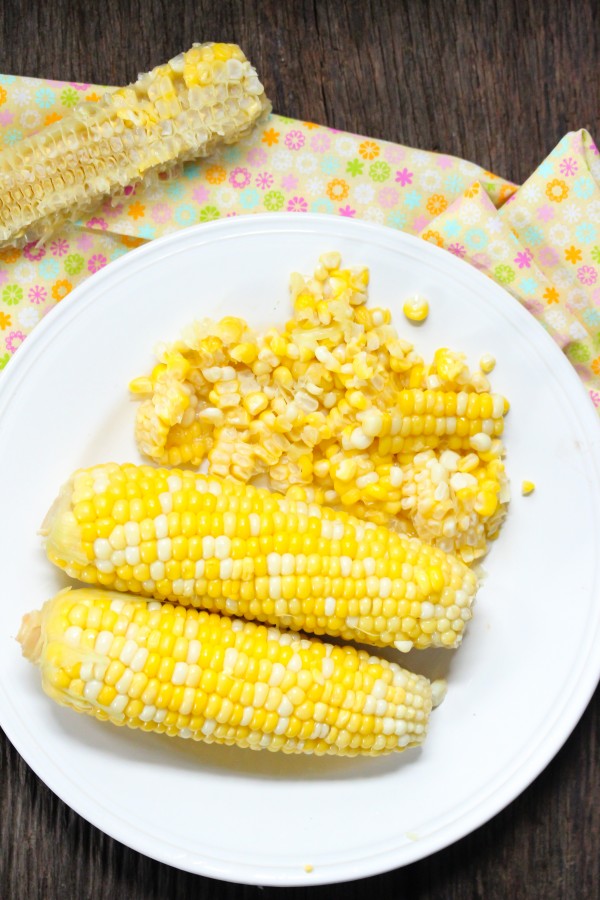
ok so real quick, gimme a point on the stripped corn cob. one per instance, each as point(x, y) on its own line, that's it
point(177, 112)
point(210, 678)
point(211, 542)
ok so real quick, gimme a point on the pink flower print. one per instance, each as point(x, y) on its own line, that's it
point(594, 148)
point(85, 242)
point(394, 154)
point(78, 85)
point(534, 306)
point(96, 262)
point(523, 260)
point(596, 296)
point(34, 251)
point(420, 222)
point(587, 275)
point(257, 156)
point(97, 223)
point(59, 247)
point(264, 180)
point(289, 182)
point(568, 166)
point(297, 204)
point(110, 211)
point(404, 177)
point(161, 212)
point(14, 340)
point(457, 249)
point(294, 140)
point(347, 211)
point(6, 117)
point(481, 261)
point(545, 213)
point(548, 256)
point(595, 396)
point(37, 294)
point(240, 177)
point(320, 142)
point(201, 194)
point(3, 276)
point(444, 162)
point(388, 197)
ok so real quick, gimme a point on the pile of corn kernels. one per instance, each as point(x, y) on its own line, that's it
point(337, 403)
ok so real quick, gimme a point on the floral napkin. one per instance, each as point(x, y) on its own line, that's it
point(540, 241)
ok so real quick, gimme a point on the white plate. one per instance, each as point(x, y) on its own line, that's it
point(517, 686)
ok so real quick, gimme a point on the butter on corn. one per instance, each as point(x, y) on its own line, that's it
point(241, 550)
point(179, 111)
point(334, 402)
point(196, 675)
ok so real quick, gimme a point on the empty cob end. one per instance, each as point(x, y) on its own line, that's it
point(62, 533)
point(30, 636)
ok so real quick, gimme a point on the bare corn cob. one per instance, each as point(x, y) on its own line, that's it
point(177, 112)
point(198, 675)
point(242, 550)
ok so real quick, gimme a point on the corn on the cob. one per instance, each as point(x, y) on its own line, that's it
point(198, 675)
point(334, 400)
point(177, 112)
point(233, 548)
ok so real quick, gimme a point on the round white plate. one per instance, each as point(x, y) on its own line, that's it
point(527, 666)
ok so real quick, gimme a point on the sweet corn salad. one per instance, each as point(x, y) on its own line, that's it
point(335, 403)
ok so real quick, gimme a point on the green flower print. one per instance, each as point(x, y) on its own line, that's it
point(578, 352)
point(355, 167)
point(209, 214)
point(74, 263)
point(596, 254)
point(274, 201)
point(11, 294)
point(69, 97)
point(504, 274)
point(3, 360)
point(379, 171)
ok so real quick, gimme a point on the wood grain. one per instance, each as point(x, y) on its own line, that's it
point(495, 82)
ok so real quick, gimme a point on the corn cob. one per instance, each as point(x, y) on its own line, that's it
point(197, 675)
point(244, 551)
point(177, 112)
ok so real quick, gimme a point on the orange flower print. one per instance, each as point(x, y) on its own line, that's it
point(596, 365)
point(5, 321)
point(2, 95)
point(573, 254)
point(506, 191)
point(136, 210)
point(93, 97)
point(434, 237)
point(129, 241)
point(551, 295)
point(270, 137)
point(489, 175)
point(557, 190)
point(60, 289)
point(436, 204)
point(215, 174)
point(338, 189)
point(51, 118)
point(310, 125)
point(369, 150)
point(473, 189)
point(9, 255)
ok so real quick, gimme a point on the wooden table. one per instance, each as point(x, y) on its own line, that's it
point(496, 82)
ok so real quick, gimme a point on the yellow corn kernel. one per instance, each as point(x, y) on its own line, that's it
point(527, 487)
point(416, 309)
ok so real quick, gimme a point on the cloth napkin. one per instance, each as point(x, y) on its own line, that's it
point(540, 241)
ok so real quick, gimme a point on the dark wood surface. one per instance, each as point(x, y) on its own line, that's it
point(495, 82)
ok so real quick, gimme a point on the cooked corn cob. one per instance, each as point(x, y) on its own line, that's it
point(177, 112)
point(210, 678)
point(233, 548)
